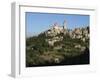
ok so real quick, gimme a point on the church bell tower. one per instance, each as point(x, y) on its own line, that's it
point(65, 25)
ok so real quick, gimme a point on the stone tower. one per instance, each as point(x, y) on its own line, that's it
point(65, 25)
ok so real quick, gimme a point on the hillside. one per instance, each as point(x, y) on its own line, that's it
point(58, 46)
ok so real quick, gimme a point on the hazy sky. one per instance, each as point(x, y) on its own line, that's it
point(38, 22)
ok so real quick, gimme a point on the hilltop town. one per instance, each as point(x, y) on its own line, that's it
point(77, 33)
point(58, 45)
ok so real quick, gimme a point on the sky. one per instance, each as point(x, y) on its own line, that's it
point(39, 22)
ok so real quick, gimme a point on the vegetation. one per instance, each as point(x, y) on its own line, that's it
point(40, 53)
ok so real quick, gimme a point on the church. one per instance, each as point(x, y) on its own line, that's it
point(57, 26)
